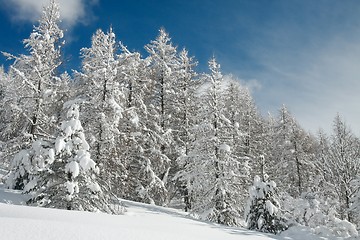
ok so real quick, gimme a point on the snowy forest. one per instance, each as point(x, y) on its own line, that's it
point(152, 129)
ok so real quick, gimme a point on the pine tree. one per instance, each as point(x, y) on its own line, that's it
point(263, 207)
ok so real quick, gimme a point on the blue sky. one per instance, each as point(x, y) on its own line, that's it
point(305, 54)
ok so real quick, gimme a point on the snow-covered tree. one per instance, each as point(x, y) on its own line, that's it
point(250, 123)
point(343, 165)
point(7, 133)
point(244, 124)
point(213, 172)
point(292, 156)
point(3, 92)
point(36, 83)
point(143, 161)
point(130, 70)
point(262, 212)
point(249, 138)
point(162, 73)
point(184, 118)
point(70, 181)
point(316, 212)
point(28, 164)
point(104, 98)
point(163, 68)
point(36, 73)
point(355, 200)
point(322, 151)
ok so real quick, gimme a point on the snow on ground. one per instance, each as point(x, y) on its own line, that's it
point(140, 222)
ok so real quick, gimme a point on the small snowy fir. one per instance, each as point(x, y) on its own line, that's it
point(74, 185)
point(262, 209)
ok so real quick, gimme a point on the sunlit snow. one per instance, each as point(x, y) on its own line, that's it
point(140, 222)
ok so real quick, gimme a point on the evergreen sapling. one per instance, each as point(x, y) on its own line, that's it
point(262, 212)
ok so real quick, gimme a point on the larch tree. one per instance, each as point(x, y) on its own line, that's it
point(212, 171)
point(7, 132)
point(37, 72)
point(36, 82)
point(324, 184)
point(183, 119)
point(102, 92)
point(242, 137)
point(162, 71)
point(292, 158)
point(141, 143)
point(343, 165)
point(322, 155)
point(3, 94)
point(130, 67)
point(250, 124)
point(163, 67)
point(249, 130)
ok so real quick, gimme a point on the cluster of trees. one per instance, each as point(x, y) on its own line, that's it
point(152, 129)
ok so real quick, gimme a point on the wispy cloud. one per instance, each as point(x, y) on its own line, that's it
point(305, 55)
point(72, 11)
point(316, 83)
point(253, 85)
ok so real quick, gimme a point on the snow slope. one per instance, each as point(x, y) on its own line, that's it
point(140, 222)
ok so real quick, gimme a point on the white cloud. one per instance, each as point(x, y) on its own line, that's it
point(72, 11)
